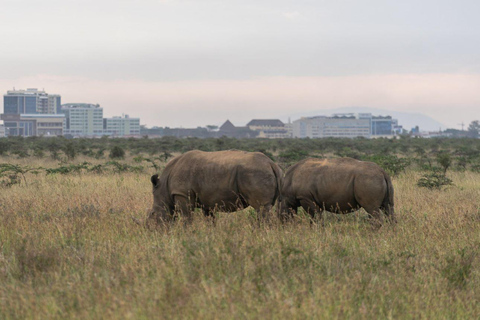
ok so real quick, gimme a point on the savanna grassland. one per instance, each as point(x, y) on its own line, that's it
point(70, 249)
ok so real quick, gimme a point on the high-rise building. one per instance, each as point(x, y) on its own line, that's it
point(30, 101)
point(50, 104)
point(55, 103)
point(121, 126)
point(31, 112)
point(2, 131)
point(83, 119)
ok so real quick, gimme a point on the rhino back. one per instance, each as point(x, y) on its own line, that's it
point(216, 177)
point(331, 182)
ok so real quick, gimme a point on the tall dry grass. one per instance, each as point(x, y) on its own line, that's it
point(69, 249)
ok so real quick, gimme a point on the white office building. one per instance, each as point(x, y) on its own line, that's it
point(121, 126)
point(339, 126)
point(345, 125)
point(83, 119)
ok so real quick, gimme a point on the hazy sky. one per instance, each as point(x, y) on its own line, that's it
point(189, 63)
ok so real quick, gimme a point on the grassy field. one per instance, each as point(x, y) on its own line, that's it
point(69, 249)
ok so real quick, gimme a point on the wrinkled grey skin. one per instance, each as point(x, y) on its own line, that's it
point(225, 181)
point(337, 185)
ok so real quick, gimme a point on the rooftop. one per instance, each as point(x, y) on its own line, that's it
point(125, 116)
point(266, 122)
point(80, 106)
point(28, 91)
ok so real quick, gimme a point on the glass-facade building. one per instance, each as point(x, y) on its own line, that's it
point(20, 110)
point(380, 125)
point(31, 101)
point(383, 126)
point(16, 104)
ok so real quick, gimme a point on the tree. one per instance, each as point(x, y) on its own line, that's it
point(474, 129)
point(70, 151)
point(212, 128)
point(445, 160)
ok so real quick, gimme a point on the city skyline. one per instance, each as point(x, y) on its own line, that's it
point(408, 120)
point(288, 112)
point(183, 63)
point(30, 112)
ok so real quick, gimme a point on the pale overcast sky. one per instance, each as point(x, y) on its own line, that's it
point(188, 63)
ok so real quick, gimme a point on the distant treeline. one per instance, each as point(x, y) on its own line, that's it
point(462, 152)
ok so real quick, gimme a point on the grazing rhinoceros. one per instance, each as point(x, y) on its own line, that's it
point(337, 185)
point(224, 180)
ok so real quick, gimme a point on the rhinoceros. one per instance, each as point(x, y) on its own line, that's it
point(339, 185)
point(225, 181)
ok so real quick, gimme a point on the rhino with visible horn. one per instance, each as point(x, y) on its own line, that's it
point(225, 181)
point(339, 185)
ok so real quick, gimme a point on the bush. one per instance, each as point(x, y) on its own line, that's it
point(434, 180)
point(39, 153)
point(72, 168)
point(99, 154)
point(292, 155)
point(21, 153)
point(348, 152)
point(165, 156)
point(70, 151)
point(54, 155)
point(117, 153)
point(11, 174)
point(462, 162)
point(393, 165)
point(475, 167)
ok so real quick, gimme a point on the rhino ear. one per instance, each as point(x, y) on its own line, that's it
point(155, 180)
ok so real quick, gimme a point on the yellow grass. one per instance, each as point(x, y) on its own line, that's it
point(69, 249)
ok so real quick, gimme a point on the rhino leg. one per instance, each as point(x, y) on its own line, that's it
point(311, 208)
point(375, 215)
point(209, 213)
point(373, 206)
point(389, 212)
point(263, 212)
point(287, 210)
point(369, 194)
point(183, 207)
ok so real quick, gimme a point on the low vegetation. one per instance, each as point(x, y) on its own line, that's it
point(70, 249)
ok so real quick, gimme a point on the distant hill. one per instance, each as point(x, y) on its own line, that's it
point(405, 119)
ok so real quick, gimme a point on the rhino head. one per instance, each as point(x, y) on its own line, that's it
point(159, 212)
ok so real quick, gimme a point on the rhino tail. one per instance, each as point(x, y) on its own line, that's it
point(388, 202)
